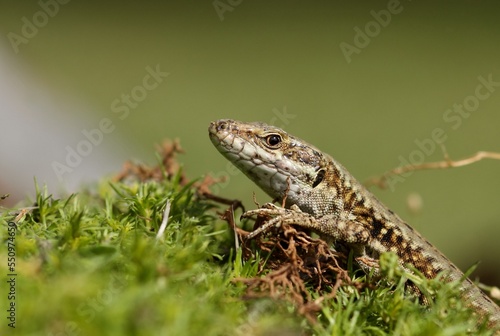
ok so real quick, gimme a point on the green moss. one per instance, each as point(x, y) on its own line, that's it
point(91, 263)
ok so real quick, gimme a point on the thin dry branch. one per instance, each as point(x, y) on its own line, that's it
point(381, 181)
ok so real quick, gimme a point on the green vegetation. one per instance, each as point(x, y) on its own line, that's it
point(91, 263)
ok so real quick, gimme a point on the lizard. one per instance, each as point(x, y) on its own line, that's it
point(319, 194)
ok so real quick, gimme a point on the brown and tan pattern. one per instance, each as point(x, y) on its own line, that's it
point(321, 195)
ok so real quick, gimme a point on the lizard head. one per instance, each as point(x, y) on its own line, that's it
point(277, 162)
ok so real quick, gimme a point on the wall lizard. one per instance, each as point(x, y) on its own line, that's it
point(321, 195)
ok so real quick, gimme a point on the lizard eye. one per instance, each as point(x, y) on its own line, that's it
point(273, 140)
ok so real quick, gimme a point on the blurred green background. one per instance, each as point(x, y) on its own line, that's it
point(260, 61)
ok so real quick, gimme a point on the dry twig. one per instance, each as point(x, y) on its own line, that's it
point(381, 181)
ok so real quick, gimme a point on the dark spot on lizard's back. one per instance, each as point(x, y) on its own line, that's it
point(432, 261)
point(377, 227)
point(398, 239)
point(360, 209)
point(334, 179)
point(350, 200)
point(424, 264)
point(391, 237)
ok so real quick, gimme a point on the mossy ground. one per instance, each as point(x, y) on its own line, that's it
point(91, 263)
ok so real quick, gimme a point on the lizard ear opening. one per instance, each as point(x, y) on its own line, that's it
point(319, 177)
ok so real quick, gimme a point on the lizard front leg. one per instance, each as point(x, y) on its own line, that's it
point(350, 232)
point(353, 233)
point(279, 216)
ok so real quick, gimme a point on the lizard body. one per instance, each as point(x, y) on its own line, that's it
point(321, 195)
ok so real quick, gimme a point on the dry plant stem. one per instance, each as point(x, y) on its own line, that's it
point(234, 203)
point(228, 215)
point(164, 222)
point(169, 166)
point(381, 181)
point(20, 213)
